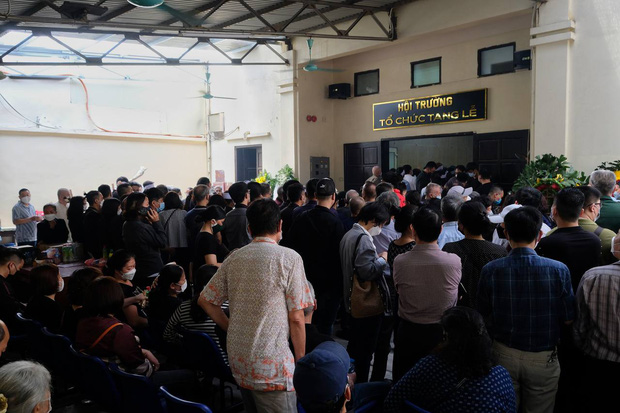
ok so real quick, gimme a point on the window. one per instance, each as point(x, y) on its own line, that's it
point(426, 72)
point(496, 60)
point(367, 83)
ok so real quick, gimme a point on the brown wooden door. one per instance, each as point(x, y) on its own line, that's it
point(359, 158)
point(503, 153)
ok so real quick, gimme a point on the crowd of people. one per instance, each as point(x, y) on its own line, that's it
point(491, 300)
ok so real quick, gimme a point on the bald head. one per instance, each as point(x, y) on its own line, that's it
point(4, 337)
point(356, 204)
point(351, 193)
point(376, 170)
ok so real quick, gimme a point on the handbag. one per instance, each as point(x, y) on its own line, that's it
point(365, 296)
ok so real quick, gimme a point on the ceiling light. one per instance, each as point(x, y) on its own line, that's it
point(146, 3)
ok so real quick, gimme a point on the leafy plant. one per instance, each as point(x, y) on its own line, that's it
point(610, 166)
point(549, 174)
point(284, 174)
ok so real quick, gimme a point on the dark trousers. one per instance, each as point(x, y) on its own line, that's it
point(327, 304)
point(413, 342)
point(570, 396)
point(384, 346)
point(600, 385)
point(364, 336)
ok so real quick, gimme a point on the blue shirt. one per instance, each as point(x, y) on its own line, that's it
point(25, 232)
point(449, 233)
point(432, 385)
point(525, 298)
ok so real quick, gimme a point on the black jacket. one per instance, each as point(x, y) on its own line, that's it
point(93, 237)
point(145, 240)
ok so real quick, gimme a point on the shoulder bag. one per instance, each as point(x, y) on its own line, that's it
point(365, 296)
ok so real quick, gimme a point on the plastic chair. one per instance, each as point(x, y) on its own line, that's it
point(63, 363)
point(35, 345)
point(96, 382)
point(176, 405)
point(371, 406)
point(414, 408)
point(138, 393)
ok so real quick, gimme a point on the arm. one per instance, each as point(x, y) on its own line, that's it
point(25, 220)
point(297, 326)
point(215, 312)
point(211, 259)
point(134, 319)
point(368, 264)
point(136, 299)
point(170, 334)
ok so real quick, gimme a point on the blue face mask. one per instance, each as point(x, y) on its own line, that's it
point(497, 202)
point(161, 207)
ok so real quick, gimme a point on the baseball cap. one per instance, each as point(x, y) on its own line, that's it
point(459, 190)
point(499, 218)
point(325, 187)
point(320, 376)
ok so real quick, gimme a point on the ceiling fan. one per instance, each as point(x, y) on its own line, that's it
point(311, 67)
point(206, 94)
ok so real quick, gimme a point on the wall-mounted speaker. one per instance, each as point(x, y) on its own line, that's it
point(340, 91)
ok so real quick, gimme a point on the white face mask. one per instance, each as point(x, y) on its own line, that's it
point(374, 231)
point(119, 212)
point(50, 217)
point(183, 286)
point(86, 206)
point(25, 200)
point(129, 275)
point(61, 285)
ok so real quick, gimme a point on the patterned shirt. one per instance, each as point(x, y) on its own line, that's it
point(24, 232)
point(263, 283)
point(432, 384)
point(525, 299)
point(597, 329)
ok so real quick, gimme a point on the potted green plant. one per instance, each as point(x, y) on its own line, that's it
point(613, 166)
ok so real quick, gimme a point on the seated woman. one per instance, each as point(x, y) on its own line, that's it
point(42, 307)
point(207, 248)
point(122, 267)
point(461, 376)
point(25, 387)
point(51, 231)
point(102, 335)
point(80, 280)
point(166, 296)
point(190, 316)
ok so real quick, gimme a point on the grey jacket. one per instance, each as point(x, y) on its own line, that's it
point(369, 265)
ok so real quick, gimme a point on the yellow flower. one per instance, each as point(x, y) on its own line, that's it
point(558, 177)
point(537, 181)
point(261, 179)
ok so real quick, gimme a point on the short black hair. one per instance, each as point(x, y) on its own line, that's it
point(9, 254)
point(122, 179)
point(294, 192)
point(153, 194)
point(462, 177)
point(255, 190)
point(134, 183)
point(105, 190)
point(414, 198)
point(110, 208)
point(590, 193)
point(311, 187)
point(172, 201)
point(484, 173)
point(237, 191)
point(285, 187)
point(133, 204)
point(263, 217)
point(392, 177)
point(430, 164)
point(203, 181)
point(117, 261)
point(427, 224)
point(374, 212)
point(162, 188)
point(80, 280)
point(473, 217)
point(44, 279)
point(460, 168)
point(91, 196)
point(407, 169)
point(22, 190)
point(528, 196)
point(147, 183)
point(404, 218)
point(103, 296)
point(569, 203)
point(471, 166)
point(495, 189)
point(123, 189)
point(523, 224)
point(51, 206)
point(265, 189)
point(383, 187)
point(200, 192)
point(217, 200)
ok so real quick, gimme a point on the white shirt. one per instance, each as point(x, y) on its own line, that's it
point(61, 213)
point(411, 179)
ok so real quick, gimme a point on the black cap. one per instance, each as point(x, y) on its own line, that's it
point(325, 187)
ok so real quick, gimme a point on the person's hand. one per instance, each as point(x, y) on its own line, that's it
point(384, 255)
point(140, 297)
point(36, 218)
point(151, 358)
point(152, 215)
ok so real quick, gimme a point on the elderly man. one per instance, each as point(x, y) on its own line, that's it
point(450, 207)
point(267, 289)
point(375, 178)
point(25, 219)
point(605, 182)
point(433, 191)
point(589, 214)
point(64, 196)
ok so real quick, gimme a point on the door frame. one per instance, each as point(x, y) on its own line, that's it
point(258, 167)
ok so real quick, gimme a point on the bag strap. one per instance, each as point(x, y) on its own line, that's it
point(598, 231)
point(168, 220)
point(104, 334)
point(357, 243)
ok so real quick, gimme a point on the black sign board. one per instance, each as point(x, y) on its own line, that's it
point(430, 110)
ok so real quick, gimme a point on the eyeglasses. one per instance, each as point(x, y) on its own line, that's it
point(598, 204)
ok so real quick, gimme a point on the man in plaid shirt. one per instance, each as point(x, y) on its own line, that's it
point(525, 298)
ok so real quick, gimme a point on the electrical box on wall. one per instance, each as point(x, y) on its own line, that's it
point(319, 167)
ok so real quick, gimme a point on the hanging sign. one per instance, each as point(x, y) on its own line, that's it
point(430, 110)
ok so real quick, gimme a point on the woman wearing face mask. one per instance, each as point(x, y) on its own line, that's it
point(144, 235)
point(25, 386)
point(173, 220)
point(42, 307)
point(208, 249)
point(168, 294)
point(51, 231)
point(112, 225)
point(122, 266)
point(75, 215)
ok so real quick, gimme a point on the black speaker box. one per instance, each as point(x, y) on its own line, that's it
point(340, 91)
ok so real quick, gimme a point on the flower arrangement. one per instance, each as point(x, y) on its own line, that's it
point(613, 166)
point(283, 175)
point(549, 174)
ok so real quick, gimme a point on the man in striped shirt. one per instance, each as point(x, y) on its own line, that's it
point(597, 331)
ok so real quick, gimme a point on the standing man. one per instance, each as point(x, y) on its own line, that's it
point(295, 196)
point(525, 299)
point(375, 178)
point(267, 291)
point(450, 207)
point(93, 224)
point(589, 214)
point(64, 196)
point(236, 224)
point(597, 333)
point(605, 182)
point(369, 191)
point(316, 236)
point(311, 201)
point(25, 219)
point(200, 199)
point(427, 281)
point(11, 261)
point(408, 176)
point(425, 176)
